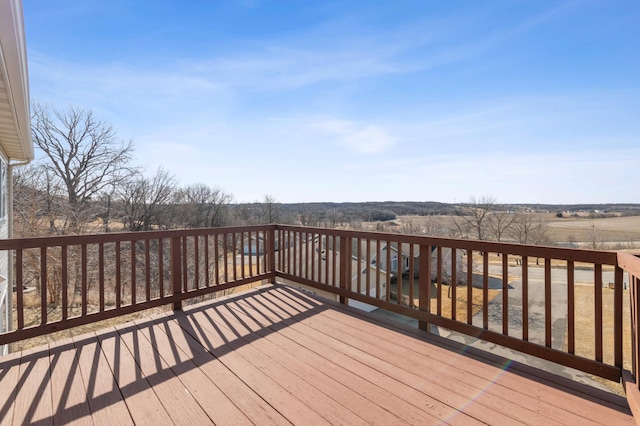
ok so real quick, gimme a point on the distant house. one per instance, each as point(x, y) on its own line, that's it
point(404, 259)
point(16, 147)
point(253, 245)
point(324, 252)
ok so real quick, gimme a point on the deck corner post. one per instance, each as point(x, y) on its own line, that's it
point(176, 271)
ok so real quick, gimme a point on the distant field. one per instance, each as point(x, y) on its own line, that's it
point(607, 230)
point(608, 233)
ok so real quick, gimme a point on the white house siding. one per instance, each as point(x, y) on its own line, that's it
point(5, 288)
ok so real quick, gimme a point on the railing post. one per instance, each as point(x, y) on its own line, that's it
point(617, 312)
point(424, 283)
point(345, 267)
point(176, 271)
point(271, 237)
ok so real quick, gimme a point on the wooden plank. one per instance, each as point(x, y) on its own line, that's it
point(185, 264)
point(412, 275)
point(213, 401)
point(424, 284)
point(147, 270)
point(481, 399)
point(43, 285)
point(277, 311)
point(470, 287)
point(597, 288)
point(525, 298)
point(373, 403)
point(33, 396)
point(453, 285)
point(19, 289)
point(161, 267)
point(552, 388)
point(234, 245)
point(492, 382)
point(84, 283)
point(180, 406)
point(206, 259)
point(68, 390)
point(559, 389)
point(441, 402)
point(548, 318)
point(485, 290)
point(101, 275)
point(571, 312)
point(9, 373)
point(139, 396)
point(65, 282)
point(312, 388)
point(505, 294)
point(102, 393)
point(245, 398)
point(118, 276)
point(439, 281)
point(276, 390)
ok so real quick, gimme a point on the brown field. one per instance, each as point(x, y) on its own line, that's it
point(446, 303)
point(611, 229)
point(609, 233)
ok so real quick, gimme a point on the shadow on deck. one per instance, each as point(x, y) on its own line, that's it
point(277, 356)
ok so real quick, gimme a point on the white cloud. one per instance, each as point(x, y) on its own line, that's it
point(362, 138)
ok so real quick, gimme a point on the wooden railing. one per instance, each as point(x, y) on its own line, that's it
point(64, 282)
point(436, 271)
point(559, 304)
point(631, 265)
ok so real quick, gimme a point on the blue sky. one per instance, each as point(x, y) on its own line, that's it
point(528, 101)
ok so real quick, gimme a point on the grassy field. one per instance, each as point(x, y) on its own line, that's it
point(585, 324)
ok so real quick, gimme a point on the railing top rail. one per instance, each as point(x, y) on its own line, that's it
point(63, 240)
point(576, 255)
point(629, 262)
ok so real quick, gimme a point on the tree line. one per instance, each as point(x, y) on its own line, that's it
point(85, 181)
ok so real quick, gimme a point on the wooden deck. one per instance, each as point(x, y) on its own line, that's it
point(279, 356)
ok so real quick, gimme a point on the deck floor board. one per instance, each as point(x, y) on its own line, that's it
point(279, 356)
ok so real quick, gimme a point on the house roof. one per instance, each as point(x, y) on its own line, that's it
point(15, 128)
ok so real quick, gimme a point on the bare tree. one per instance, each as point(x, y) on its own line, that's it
point(84, 153)
point(529, 228)
point(144, 200)
point(333, 218)
point(432, 226)
point(203, 206)
point(308, 217)
point(472, 216)
point(38, 201)
point(594, 238)
point(270, 211)
point(499, 222)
